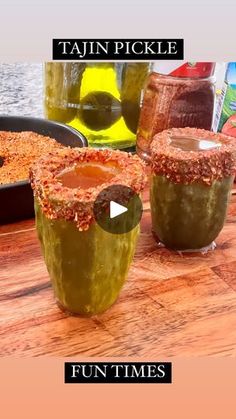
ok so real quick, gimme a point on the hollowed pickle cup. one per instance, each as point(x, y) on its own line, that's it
point(192, 176)
point(87, 265)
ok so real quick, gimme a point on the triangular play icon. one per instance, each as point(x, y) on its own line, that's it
point(116, 209)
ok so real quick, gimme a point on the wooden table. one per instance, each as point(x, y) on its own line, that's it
point(171, 305)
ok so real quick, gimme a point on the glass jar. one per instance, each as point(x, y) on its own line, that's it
point(87, 265)
point(101, 100)
point(174, 102)
point(192, 175)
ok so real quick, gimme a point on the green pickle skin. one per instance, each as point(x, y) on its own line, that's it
point(188, 217)
point(87, 268)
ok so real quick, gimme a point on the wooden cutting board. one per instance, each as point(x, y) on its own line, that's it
point(171, 305)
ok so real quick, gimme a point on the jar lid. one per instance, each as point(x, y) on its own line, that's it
point(181, 69)
point(76, 204)
point(187, 155)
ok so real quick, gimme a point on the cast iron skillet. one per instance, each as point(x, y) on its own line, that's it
point(16, 199)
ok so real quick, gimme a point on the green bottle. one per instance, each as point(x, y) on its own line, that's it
point(101, 100)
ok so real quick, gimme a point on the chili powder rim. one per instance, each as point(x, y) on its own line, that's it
point(187, 167)
point(76, 204)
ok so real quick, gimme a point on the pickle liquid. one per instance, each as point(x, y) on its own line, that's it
point(100, 100)
point(87, 175)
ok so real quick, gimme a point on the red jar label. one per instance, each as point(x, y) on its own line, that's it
point(189, 69)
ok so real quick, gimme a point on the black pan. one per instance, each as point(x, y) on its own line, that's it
point(16, 199)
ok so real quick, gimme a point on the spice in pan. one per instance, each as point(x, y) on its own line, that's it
point(18, 150)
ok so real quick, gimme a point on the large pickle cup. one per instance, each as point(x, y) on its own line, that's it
point(87, 264)
point(192, 175)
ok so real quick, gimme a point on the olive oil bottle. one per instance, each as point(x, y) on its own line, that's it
point(101, 100)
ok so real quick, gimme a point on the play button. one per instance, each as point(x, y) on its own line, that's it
point(118, 209)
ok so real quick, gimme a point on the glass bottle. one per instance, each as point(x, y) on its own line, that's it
point(179, 97)
point(101, 100)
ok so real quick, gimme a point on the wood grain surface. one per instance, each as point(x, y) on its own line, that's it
point(171, 305)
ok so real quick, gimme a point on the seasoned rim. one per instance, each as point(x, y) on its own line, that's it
point(193, 166)
point(60, 202)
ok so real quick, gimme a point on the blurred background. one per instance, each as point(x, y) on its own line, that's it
point(21, 89)
point(116, 104)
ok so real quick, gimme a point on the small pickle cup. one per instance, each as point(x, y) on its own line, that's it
point(192, 175)
point(87, 265)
